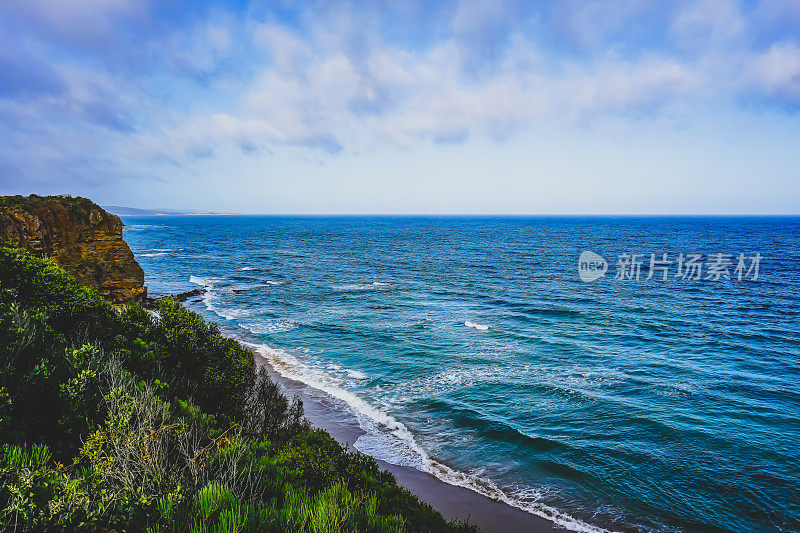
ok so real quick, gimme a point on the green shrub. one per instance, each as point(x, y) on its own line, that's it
point(41, 285)
point(125, 421)
point(269, 412)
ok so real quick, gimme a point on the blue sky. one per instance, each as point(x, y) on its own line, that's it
point(627, 106)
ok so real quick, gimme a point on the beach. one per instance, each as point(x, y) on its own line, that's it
point(335, 417)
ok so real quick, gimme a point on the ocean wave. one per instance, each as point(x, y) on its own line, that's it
point(374, 286)
point(481, 327)
point(248, 268)
point(388, 439)
point(579, 384)
point(355, 374)
point(158, 252)
point(337, 369)
point(137, 227)
point(211, 299)
point(207, 283)
point(268, 327)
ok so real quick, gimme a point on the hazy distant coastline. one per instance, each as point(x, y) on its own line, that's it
point(140, 212)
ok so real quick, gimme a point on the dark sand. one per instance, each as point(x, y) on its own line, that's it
point(491, 516)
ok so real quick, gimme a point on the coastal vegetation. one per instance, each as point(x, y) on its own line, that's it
point(119, 419)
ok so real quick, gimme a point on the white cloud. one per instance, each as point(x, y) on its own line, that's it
point(709, 22)
point(775, 72)
point(335, 79)
point(314, 95)
point(79, 22)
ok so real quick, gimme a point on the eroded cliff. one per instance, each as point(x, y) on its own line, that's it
point(80, 236)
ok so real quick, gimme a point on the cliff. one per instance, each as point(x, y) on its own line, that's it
point(80, 236)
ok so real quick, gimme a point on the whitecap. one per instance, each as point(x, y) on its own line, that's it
point(481, 327)
point(268, 327)
point(374, 286)
point(248, 268)
point(211, 299)
point(137, 227)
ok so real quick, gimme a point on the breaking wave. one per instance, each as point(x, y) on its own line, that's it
point(388, 439)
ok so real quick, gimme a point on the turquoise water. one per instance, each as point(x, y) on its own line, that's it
point(470, 348)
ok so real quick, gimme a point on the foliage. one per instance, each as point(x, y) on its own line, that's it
point(190, 355)
point(269, 412)
point(79, 207)
point(39, 285)
point(129, 421)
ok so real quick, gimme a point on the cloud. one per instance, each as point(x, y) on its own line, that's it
point(78, 23)
point(329, 98)
point(133, 80)
point(207, 48)
point(775, 73)
point(709, 23)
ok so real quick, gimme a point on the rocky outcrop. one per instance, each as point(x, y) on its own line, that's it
point(80, 237)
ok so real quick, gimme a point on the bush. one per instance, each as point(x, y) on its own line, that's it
point(38, 284)
point(124, 421)
point(190, 355)
point(269, 412)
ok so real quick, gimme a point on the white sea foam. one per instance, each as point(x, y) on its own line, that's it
point(379, 442)
point(229, 314)
point(137, 227)
point(270, 282)
point(211, 299)
point(208, 286)
point(388, 439)
point(248, 268)
point(339, 371)
point(269, 326)
point(481, 327)
point(374, 286)
point(154, 254)
point(355, 374)
point(203, 282)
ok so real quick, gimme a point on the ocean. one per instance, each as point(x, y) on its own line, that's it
point(471, 348)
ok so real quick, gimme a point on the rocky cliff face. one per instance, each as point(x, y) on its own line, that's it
point(78, 235)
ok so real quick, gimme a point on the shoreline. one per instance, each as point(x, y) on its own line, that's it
point(454, 502)
point(326, 411)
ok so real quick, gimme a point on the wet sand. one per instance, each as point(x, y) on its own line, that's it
point(453, 502)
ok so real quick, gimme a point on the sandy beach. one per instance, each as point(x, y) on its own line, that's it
point(452, 501)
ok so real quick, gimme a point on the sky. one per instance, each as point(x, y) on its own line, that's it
point(434, 107)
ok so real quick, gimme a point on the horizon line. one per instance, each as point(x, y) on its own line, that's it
point(476, 215)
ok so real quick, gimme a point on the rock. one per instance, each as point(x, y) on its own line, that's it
point(79, 236)
point(182, 297)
